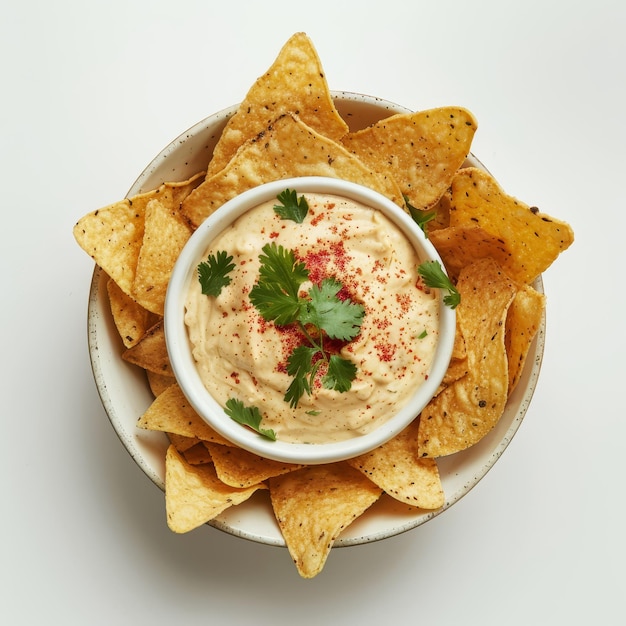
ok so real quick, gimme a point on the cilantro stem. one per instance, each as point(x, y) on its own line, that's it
point(317, 344)
point(310, 339)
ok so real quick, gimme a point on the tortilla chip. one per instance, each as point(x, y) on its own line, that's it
point(533, 239)
point(522, 323)
point(442, 214)
point(165, 235)
point(113, 235)
point(239, 468)
point(397, 469)
point(422, 151)
point(288, 148)
point(459, 246)
point(463, 413)
point(459, 348)
point(194, 494)
point(181, 442)
point(458, 361)
point(313, 505)
point(131, 319)
point(199, 454)
point(171, 413)
point(159, 382)
point(456, 370)
point(295, 83)
point(150, 352)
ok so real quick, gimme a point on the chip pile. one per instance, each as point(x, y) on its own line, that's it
point(493, 247)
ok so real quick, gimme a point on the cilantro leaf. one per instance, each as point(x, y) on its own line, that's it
point(291, 208)
point(275, 295)
point(279, 265)
point(274, 304)
point(420, 217)
point(435, 277)
point(213, 273)
point(339, 319)
point(300, 366)
point(248, 416)
point(341, 372)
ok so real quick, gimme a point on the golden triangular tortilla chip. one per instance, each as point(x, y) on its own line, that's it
point(165, 235)
point(240, 468)
point(397, 468)
point(522, 323)
point(171, 413)
point(314, 504)
point(459, 246)
point(159, 382)
point(199, 454)
point(422, 151)
point(113, 235)
point(182, 443)
point(295, 83)
point(130, 318)
point(469, 408)
point(150, 352)
point(533, 239)
point(457, 367)
point(194, 494)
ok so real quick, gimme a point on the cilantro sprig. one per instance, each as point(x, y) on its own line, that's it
point(319, 314)
point(291, 207)
point(436, 278)
point(213, 273)
point(248, 416)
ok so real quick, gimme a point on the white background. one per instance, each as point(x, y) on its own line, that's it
point(91, 91)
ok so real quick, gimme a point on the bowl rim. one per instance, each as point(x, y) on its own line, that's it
point(180, 353)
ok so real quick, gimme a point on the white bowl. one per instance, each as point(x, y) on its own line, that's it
point(125, 392)
point(180, 350)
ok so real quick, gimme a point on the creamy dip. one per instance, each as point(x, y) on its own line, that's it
point(240, 355)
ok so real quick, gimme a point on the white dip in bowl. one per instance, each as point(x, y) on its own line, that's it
point(223, 349)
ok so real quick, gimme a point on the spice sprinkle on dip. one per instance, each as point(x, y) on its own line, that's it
point(310, 384)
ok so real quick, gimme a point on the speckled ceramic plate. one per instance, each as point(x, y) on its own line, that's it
point(125, 393)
